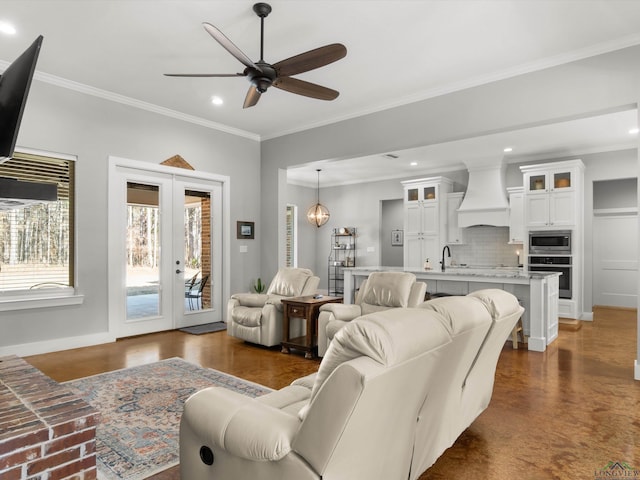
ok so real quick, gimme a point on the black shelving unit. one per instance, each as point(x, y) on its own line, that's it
point(343, 254)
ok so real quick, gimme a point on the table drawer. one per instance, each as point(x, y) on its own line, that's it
point(296, 311)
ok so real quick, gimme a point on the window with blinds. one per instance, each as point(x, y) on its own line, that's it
point(36, 230)
point(291, 253)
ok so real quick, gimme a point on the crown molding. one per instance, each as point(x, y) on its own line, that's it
point(554, 61)
point(132, 102)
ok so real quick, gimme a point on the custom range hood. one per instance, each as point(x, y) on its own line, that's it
point(485, 201)
point(18, 194)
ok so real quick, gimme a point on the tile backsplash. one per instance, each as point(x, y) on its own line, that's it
point(486, 246)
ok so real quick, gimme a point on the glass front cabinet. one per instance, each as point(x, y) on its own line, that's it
point(425, 219)
point(551, 194)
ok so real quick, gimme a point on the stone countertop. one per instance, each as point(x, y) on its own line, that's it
point(453, 273)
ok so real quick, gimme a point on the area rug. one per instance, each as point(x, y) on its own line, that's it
point(206, 328)
point(140, 411)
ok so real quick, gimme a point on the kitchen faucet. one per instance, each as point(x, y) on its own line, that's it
point(446, 247)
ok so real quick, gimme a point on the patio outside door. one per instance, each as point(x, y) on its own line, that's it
point(197, 205)
point(167, 268)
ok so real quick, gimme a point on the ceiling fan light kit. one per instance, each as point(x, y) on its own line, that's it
point(263, 75)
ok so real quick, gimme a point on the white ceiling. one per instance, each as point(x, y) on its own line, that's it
point(398, 52)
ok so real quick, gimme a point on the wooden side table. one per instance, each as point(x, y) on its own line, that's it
point(306, 308)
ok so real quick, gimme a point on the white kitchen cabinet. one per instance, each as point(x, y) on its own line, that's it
point(418, 248)
point(420, 191)
point(425, 220)
point(475, 286)
point(451, 287)
point(538, 294)
point(556, 209)
point(516, 214)
point(455, 234)
point(551, 194)
point(422, 218)
point(553, 295)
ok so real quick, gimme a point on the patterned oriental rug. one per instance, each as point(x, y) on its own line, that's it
point(140, 413)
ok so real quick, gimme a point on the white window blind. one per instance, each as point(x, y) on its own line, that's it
point(36, 238)
point(291, 253)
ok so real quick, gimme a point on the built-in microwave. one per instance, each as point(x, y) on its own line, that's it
point(550, 242)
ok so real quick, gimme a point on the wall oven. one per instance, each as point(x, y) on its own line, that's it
point(560, 264)
point(550, 251)
point(550, 242)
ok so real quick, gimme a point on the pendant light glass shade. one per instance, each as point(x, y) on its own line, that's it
point(318, 214)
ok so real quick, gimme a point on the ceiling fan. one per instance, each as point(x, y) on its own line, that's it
point(263, 75)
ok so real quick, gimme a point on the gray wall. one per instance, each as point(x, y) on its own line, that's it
point(392, 215)
point(622, 193)
point(61, 120)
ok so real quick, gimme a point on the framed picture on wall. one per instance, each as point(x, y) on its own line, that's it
point(396, 238)
point(245, 230)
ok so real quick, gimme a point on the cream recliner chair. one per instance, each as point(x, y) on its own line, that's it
point(380, 291)
point(257, 318)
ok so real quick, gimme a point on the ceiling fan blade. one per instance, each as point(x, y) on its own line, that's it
point(310, 60)
point(229, 46)
point(204, 75)
point(306, 89)
point(253, 95)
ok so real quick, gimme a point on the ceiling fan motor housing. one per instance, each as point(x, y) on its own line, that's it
point(261, 79)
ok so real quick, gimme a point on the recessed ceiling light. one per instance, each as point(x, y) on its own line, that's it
point(413, 164)
point(508, 149)
point(633, 131)
point(216, 100)
point(7, 28)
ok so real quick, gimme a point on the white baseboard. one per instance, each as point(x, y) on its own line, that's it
point(586, 316)
point(47, 346)
point(537, 344)
point(636, 370)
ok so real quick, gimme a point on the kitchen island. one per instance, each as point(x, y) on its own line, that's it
point(537, 292)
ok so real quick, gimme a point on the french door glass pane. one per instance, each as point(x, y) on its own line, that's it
point(143, 251)
point(197, 250)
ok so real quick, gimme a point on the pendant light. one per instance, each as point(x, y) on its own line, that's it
point(318, 214)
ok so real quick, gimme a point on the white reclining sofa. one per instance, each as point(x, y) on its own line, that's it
point(394, 390)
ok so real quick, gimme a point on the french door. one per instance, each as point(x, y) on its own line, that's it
point(165, 244)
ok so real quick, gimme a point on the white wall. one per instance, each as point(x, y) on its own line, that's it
point(61, 120)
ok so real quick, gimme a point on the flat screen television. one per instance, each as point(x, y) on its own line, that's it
point(14, 89)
